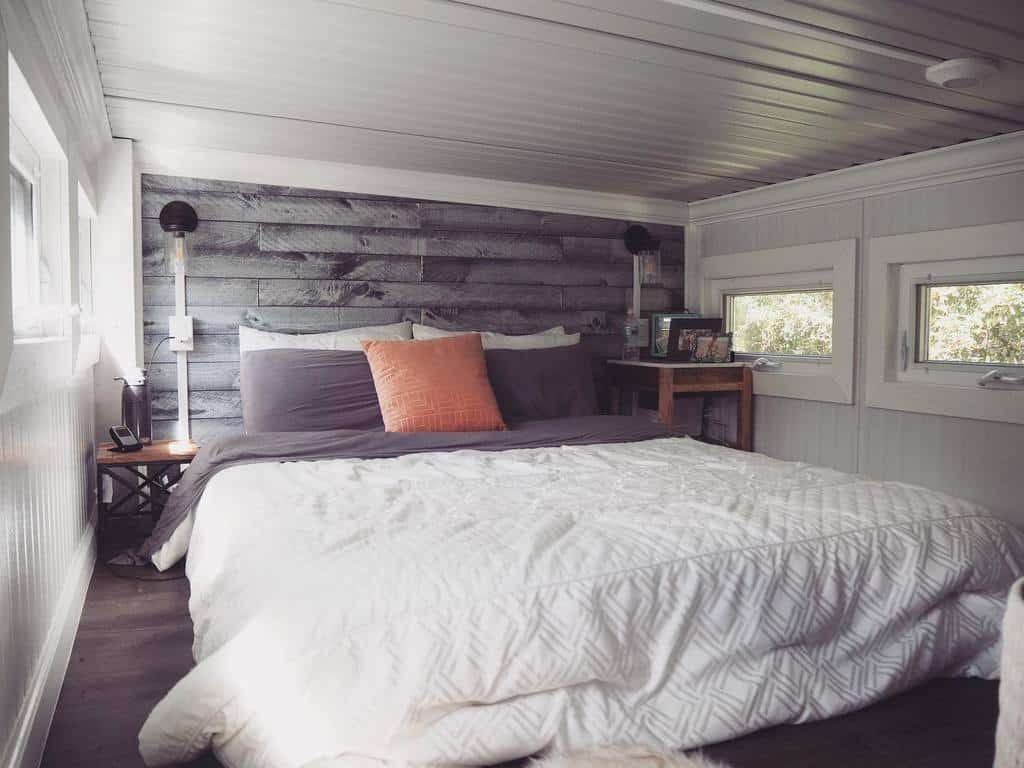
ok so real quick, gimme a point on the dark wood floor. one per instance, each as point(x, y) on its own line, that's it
point(135, 639)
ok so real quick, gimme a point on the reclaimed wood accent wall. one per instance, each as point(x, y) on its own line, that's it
point(303, 261)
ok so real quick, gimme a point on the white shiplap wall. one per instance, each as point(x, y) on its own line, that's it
point(973, 459)
point(46, 553)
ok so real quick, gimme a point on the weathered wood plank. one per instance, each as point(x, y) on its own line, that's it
point(163, 377)
point(355, 240)
point(291, 209)
point(514, 273)
point(204, 291)
point(203, 430)
point(295, 260)
point(274, 189)
point(607, 250)
point(255, 263)
point(223, 319)
point(651, 298)
point(360, 317)
point(476, 245)
point(222, 236)
point(208, 404)
point(482, 218)
point(426, 295)
point(542, 273)
point(209, 349)
point(517, 321)
point(185, 186)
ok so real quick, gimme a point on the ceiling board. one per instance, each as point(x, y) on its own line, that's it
point(658, 100)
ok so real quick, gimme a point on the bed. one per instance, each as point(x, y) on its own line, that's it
point(368, 598)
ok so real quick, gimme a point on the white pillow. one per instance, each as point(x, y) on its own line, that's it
point(252, 340)
point(552, 337)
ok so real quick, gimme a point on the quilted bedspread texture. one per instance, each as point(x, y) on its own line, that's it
point(467, 608)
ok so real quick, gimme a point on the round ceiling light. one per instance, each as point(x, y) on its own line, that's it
point(961, 73)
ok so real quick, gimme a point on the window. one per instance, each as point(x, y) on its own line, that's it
point(24, 260)
point(39, 213)
point(794, 306)
point(945, 322)
point(980, 323)
point(30, 277)
point(781, 322)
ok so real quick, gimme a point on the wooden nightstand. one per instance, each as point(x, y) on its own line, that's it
point(150, 474)
point(669, 379)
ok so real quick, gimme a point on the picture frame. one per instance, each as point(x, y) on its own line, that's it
point(683, 335)
point(660, 328)
point(714, 348)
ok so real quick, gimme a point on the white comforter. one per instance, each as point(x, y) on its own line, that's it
point(466, 608)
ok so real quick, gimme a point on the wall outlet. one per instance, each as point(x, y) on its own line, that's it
point(181, 333)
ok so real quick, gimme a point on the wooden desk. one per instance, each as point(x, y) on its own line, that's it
point(669, 379)
point(146, 490)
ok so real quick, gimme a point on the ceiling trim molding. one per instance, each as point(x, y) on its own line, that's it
point(961, 162)
point(227, 165)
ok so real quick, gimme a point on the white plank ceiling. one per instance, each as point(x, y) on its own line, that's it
point(642, 97)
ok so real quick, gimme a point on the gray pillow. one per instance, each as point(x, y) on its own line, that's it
point(551, 383)
point(307, 390)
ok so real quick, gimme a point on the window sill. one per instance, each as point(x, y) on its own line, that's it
point(824, 387)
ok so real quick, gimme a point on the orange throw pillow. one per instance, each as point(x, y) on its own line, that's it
point(439, 385)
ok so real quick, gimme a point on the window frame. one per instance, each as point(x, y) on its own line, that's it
point(813, 266)
point(897, 265)
point(729, 294)
point(25, 161)
point(35, 153)
point(918, 275)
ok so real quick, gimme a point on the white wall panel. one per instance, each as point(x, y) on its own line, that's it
point(977, 460)
point(965, 204)
point(46, 500)
point(804, 430)
point(811, 225)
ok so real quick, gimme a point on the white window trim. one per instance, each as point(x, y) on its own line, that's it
point(1008, 268)
point(831, 264)
point(895, 264)
point(36, 155)
point(23, 155)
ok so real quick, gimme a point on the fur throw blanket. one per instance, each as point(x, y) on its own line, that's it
point(620, 757)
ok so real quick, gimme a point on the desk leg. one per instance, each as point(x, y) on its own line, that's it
point(746, 412)
point(666, 397)
point(614, 399)
point(100, 510)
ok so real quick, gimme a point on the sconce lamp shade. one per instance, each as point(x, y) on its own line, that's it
point(178, 216)
point(639, 240)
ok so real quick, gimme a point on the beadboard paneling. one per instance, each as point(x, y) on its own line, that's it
point(802, 430)
point(47, 494)
point(303, 261)
point(977, 460)
point(965, 204)
point(819, 224)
